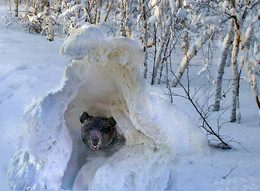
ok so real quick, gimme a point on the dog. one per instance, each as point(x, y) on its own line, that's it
point(100, 133)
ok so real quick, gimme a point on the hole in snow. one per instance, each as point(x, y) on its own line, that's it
point(81, 155)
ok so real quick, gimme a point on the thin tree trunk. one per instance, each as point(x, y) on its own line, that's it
point(95, 13)
point(88, 8)
point(163, 61)
point(91, 4)
point(59, 9)
point(122, 18)
point(193, 50)
point(98, 15)
point(127, 21)
point(108, 10)
point(185, 43)
point(155, 50)
point(99, 5)
point(16, 8)
point(159, 55)
point(145, 38)
point(249, 69)
point(168, 81)
point(225, 51)
point(10, 5)
point(235, 75)
point(252, 79)
point(235, 82)
point(178, 4)
point(50, 35)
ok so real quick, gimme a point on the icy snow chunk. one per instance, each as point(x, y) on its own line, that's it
point(76, 7)
point(129, 51)
point(132, 168)
point(87, 41)
point(67, 13)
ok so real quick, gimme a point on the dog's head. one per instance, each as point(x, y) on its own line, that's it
point(97, 132)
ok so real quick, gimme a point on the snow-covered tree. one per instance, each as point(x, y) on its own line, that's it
point(185, 27)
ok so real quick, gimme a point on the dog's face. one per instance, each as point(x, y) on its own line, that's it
point(97, 132)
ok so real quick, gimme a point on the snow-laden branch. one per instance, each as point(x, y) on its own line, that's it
point(193, 50)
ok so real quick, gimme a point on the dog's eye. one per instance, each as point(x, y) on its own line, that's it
point(87, 128)
point(103, 128)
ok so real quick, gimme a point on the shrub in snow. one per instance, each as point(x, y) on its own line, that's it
point(104, 79)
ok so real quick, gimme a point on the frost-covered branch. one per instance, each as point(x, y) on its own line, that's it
point(193, 50)
point(206, 126)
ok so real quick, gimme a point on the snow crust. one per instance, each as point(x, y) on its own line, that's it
point(105, 79)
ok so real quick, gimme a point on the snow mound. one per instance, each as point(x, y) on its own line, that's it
point(104, 79)
point(86, 42)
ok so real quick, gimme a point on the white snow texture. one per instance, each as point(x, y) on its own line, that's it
point(104, 79)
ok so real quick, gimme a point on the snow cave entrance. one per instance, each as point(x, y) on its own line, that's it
point(99, 97)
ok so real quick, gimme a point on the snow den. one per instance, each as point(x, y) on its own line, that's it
point(105, 79)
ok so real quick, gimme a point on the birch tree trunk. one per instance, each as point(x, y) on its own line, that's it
point(145, 38)
point(159, 55)
point(122, 18)
point(127, 20)
point(95, 13)
point(185, 43)
point(225, 51)
point(50, 35)
point(178, 4)
point(108, 10)
point(16, 8)
point(10, 5)
point(236, 77)
point(235, 82)
point(164, 60)
point(99, 5)
point(155, 48)
point(88, 8)
point(193, 50)
point(249, 68)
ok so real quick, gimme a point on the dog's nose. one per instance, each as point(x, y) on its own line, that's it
point(95, 141)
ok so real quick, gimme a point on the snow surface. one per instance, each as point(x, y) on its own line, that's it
point(31, 67)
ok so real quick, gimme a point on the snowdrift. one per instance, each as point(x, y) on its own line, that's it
point(104, 79)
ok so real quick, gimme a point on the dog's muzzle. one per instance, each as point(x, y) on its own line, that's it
point(95, 138)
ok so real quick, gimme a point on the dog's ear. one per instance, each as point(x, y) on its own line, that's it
point(111, 121)
point(83, 117)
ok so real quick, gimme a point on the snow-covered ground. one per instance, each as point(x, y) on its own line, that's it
point(31, 66)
